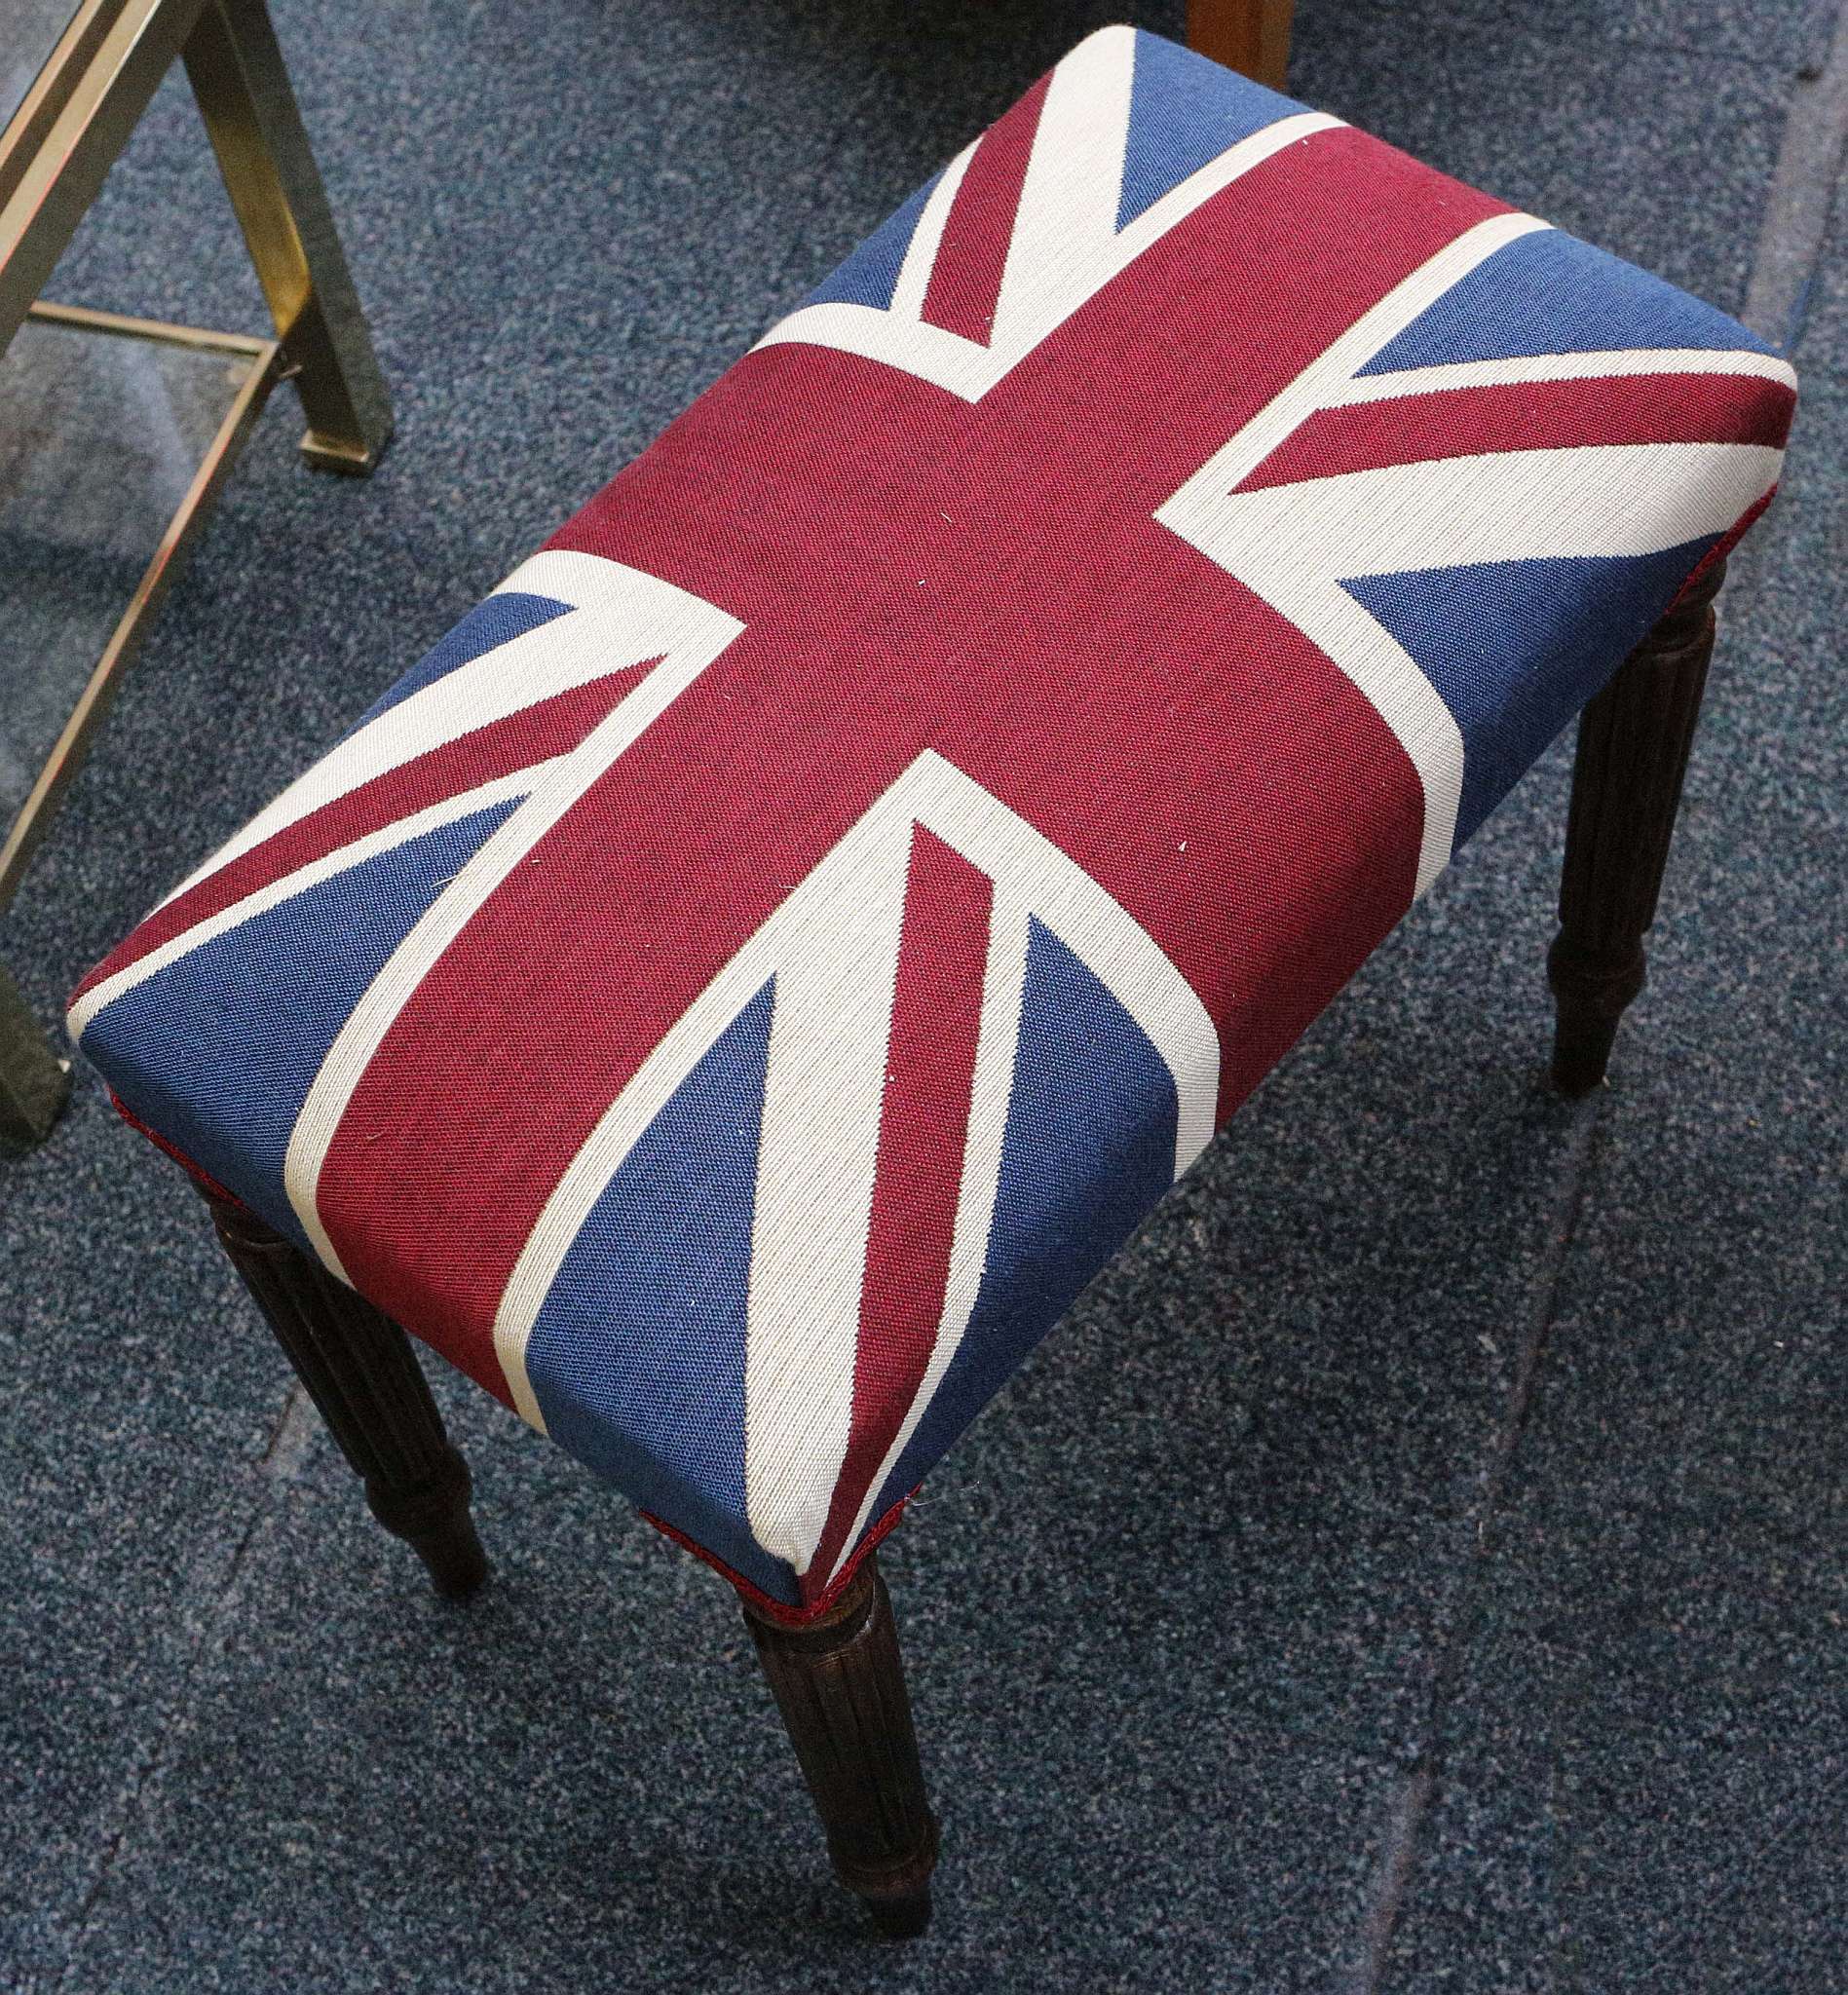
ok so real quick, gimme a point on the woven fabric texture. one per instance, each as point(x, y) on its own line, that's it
point(733, 994)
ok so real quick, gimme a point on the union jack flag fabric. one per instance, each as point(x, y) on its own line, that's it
point(731, 995)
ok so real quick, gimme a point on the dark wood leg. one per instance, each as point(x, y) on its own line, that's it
point(360, 1371)
point(840, 1685)
point(1633, 743)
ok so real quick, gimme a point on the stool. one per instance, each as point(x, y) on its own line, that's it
point(733, 991)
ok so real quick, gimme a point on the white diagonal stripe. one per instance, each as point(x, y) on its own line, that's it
point(997, 1052)
point(921, 252)
point(1337, 363)
point(387, 838)
point(832, 949)
point(858, 873)
point(1462, 374)
point(626, 614)
point(560, 655)
point(1201, 511)
point(1620, 500)
point(1295, 544)
point(1065, 227)
point(968, 369)
point(1065, 246)
point(824, 1089)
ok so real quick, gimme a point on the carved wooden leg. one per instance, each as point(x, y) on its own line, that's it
point(1251, 36)
point(360, 1371)
point(1633, 743)
point(841, 1687)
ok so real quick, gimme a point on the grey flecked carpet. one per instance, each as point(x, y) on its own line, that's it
point(1422, 1562)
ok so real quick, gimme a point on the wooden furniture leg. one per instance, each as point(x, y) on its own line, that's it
point(840, 1685)
point(1251, 36)
point(360, 1371)
point(1632, 745)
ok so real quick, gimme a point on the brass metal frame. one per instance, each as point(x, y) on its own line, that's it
point(237, 76)
point(54, 153)
point(30, 825)
point(64, 137)
point(77, 117)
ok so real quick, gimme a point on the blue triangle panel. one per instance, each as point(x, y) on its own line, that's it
point(870, 274)
point(491, 624)
point(218, 1050)
point(1087, 1150)
point(637, 1355)
point(1547, 293)
point(1515, 648)
point(1184, 112)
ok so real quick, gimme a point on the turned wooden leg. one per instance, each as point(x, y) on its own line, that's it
point(1633, 743)
point(360, 1371)
point(841, 1687)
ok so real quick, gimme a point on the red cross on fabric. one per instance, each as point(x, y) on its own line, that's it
point(915, 572)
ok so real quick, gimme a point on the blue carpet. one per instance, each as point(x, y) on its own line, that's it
point(1419, 1562)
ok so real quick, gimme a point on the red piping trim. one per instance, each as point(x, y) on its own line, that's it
point(781, 1610)
point(179, 1156)
point(1724, 545)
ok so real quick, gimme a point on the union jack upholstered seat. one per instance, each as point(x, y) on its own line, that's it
point(736, 989)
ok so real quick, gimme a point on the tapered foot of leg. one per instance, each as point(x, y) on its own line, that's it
point(361, 1374)
point(840, 1685)
point(1591, 998)
point(1633, 746)
point(433, 1518)
point(901, 1918)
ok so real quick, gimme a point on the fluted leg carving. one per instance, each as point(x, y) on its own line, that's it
point(840, 1685)
point(363, 1374)
point(1633, 746)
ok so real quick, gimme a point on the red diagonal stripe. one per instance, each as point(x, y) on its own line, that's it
point(923, 1126)
point(1528, 415)
point(965, 280)
point(918, 571)
point(535, 734)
